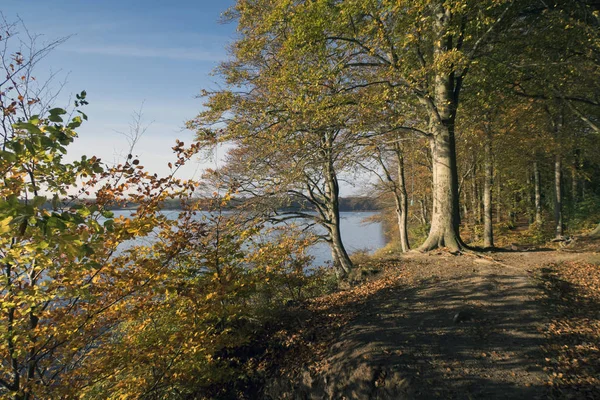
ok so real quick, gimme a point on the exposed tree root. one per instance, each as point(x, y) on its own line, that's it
point(448, 239)
point(475, 254)
point(595, 234)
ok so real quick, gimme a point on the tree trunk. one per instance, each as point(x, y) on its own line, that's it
point(498, 204)
point(595, 233)
point(341, 260)
point(558, 215)
point(530, 200)
point(444, 222)
point(401, 201)
point(445, 218)
point(512, 212)
point(423, 216)
point(574, 187)
point(465, 210)
point(474, 197)
point(488, 235)
point(538, 193)
point(479, 203)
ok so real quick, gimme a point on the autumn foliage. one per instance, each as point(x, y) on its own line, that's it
point(141, 305)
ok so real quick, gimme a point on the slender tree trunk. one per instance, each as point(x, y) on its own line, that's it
point(574, 186)
point(475, 205)
point(423, 217)
point(488, 233)
point(474, 197)
point(401, 201)
point(558, 214)
point(479, 203)
point(530, 200)
point(341, 260)
point(512, 212)
point(465, 211)
point(538, 193)
point(397, 186)
point(498, 203)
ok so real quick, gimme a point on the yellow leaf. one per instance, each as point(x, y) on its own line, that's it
point(4, 225)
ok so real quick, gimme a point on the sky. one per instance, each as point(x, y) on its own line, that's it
point(127, 55)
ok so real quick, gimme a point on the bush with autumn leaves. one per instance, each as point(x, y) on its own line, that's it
point(143, 306)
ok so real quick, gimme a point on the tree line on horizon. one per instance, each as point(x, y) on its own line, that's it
point(347, 204)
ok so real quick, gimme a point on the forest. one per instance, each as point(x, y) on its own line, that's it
point(471, 126)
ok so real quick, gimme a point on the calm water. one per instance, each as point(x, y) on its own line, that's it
point(357, 235)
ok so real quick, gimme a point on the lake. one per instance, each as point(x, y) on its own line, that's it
point(357, 235)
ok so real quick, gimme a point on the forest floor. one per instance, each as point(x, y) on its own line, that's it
point(509, 324)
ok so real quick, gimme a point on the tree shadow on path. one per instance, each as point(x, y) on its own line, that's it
point(405, 343)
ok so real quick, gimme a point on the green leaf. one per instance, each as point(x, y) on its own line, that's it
point(8, 156)
point(55, 118)
point(28, 126)
point(83, 115)
point(75, 123)
point(57, 111)
point(108, 214)
point(55, 222)
point(38, 201)
point(55, 114)
point(84, 212)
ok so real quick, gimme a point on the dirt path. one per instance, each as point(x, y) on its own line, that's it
point(405, 340)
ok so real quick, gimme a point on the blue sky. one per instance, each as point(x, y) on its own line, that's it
point(125, 53)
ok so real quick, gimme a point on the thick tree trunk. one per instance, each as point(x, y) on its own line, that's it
point(488, 235)
point(558, 214)
point(444, 219)
point(538, 193)
point(402, 201)
point(595, 233)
